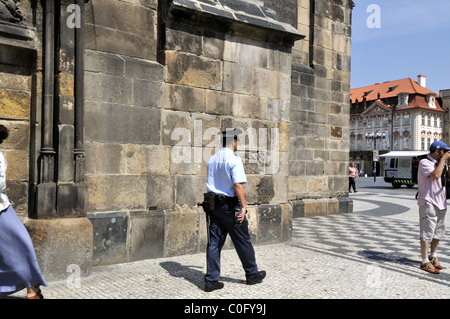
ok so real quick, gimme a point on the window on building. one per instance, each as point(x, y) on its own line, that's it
point(377, 122)
point(396, 144)
point(406, 143)
point(397, 120)
point(406, 120)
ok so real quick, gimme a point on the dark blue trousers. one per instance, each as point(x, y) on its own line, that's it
point(221, 224)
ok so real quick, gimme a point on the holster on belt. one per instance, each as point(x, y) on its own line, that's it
point(208, 204)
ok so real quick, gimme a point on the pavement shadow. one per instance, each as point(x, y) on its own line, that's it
point(191, 273)
point(389, 257)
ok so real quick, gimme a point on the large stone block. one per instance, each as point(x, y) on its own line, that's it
point(315, 207)
point(119, 15)
point(104, 62)
point(108, 88)
point(15, 81)
point(149, 93)
point(259, 189)
point(186, 98)
point(253, 54)
point(122, 124)
point(213, 45)
point(190, 189)
point(147, 159)
point(175, 128)
point(179, 38)
point(181, 236)
point(237, 78)
point(19, 135)
point(269, 226)
point(146, 238)
point(220, 103)
point(104, 158)
point(116, 192)
point(62, 246)
point(251, 106)
point(265, 83)
point(119, 42)
point(160, 192)
point(193, 71)
point(14, 104)
point(145, 70)
point(297, 184)
point(17, 165)
point(110, 232)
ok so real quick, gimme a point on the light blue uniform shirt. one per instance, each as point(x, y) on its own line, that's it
point(224, 169)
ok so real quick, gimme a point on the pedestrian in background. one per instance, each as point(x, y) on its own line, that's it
point(225, 178)
point(18, 264)
point(432, 202)
point(352, 176)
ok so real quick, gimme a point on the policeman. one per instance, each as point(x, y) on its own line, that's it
point(225, 178)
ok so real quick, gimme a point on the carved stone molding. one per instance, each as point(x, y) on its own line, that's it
point(10, 11)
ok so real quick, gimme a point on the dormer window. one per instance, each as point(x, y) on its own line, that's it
point(392, 88)
point(431, 100)
point(403, 99)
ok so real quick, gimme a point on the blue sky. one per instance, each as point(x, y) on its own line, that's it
point(413, 38)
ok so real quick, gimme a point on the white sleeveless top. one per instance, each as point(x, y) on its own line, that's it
point(4, 201)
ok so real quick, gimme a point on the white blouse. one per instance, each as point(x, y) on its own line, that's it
point(4, 201)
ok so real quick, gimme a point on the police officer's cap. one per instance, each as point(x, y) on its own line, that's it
point(231, 133)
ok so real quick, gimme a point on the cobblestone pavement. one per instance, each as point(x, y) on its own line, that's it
point(370, 253)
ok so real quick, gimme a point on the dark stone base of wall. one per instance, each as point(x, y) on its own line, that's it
point(72, 246)
point(321, 207)
point(130, 236)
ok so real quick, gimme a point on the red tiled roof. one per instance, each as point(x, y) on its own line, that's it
point(391, 89)
point(399, 86)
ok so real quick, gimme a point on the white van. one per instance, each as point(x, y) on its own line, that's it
point(400, 167)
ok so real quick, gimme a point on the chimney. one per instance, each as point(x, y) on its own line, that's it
point(422, 80)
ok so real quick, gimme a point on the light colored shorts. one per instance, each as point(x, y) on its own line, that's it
point(432, 222)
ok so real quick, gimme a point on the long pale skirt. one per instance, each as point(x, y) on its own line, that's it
point(19, 268)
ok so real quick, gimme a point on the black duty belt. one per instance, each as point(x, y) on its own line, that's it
point(224, 198)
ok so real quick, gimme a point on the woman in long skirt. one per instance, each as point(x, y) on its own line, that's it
point(18, 264)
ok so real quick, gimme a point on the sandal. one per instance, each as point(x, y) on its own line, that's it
point(435, 262)
point(429, 268)
point(37, 295)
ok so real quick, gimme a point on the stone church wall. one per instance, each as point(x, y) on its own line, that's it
point(141, 89)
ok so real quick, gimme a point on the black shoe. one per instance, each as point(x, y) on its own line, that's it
point(257, 279)
point(216, 286)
